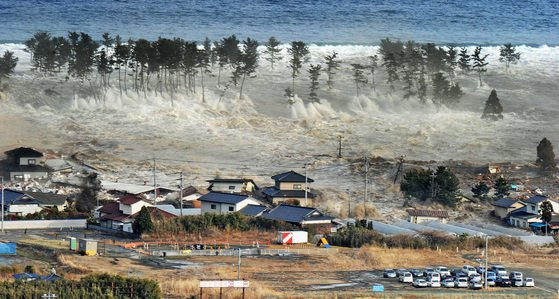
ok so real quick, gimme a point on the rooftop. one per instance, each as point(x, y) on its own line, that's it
point(24, 152)
point(220, 180)
point(291, 176)
point(523, 215)
point(275, 192)
point(295, 214)
point(535, 199)
point(129, 200)
point(428, 213)
point(253, 210)
point(219, 197)
point(505, 202)
point(48, 198)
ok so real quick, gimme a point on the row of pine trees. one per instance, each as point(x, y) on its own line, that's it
point(175, 65)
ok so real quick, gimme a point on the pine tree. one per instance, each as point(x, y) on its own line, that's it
point(546, 211)
point(273, 51)
point(501, 187)
point(248, 61)
point(546, 156)
point(444, 92)
point(314, 74)
point(391, 65)
point(142, 223)
point(508, 55)
point(451, 62)
point(480, 190)
point(479, 63)
point(422, 86)
point(493, 109)
point(464, 60)
point(8, 63)
point(299, 52)
point(358, 76)
point(332, 65)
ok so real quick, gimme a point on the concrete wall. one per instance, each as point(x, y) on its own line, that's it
point(28, 175)
point(42, 224)
point(424, 219)
point(23, 210)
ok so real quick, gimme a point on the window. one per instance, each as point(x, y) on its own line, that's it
point(31, 161)
point(214, 207)
point(231, 187)
point(533, 208)
point(297, 186)
point(231, 209)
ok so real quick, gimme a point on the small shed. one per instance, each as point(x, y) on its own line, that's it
point(421, 216)
point(73, 244)
point(87, 247)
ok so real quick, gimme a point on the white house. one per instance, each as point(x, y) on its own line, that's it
point(34, 202)
point(25, 163)
point(130, 205)
point(239, 186)
point(533, 204)
point(223, 203)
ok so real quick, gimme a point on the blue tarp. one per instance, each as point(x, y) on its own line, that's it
point(538, 224)
point(7, 248)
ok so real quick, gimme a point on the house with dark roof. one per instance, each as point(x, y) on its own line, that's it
point(223, 203)
point(22, 203)
point(301, 216)
point(521, 218)
point(24, 163)
point(239, 186)
point(419, 216)
point(504, 206)
point(533, 204)
point(290, 188)
point(253, 210)
point(120, 215)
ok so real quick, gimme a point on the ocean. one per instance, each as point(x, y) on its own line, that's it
point(362, 22)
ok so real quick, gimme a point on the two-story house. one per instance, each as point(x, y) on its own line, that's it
point(290, 188)
point(22, 203)
point(238, 186)
point(504, 206)
point(524, 216)
point(223, 203)
point(25, 163)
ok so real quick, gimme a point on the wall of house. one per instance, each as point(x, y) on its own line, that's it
point(423, 219)
point(292, 186)
point(23, 210)
point(134, 208)
point(227, 187)
point(502, 212)
point(219, 208)
point(246, 202)
point(29, 161)
point(291, 201)
point(24, 176)
point(522, 223)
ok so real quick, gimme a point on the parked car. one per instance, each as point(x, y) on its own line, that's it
point(499, 270)
point(475, 285)
point(448, 283)
point(475, 277)
point(529, 282)
point(469, 270)
point(503, 282)
point(399, 272)
point(515, 275)
point(427, 271)
point(406, 277)
point(389, 273)
point(490, 282)
point(480, 269)
point(416, 273)
point(434, 276)
point(461, 282)
point(491, 274)
point(455, 271)
point(419, 283)
point(443, 271)
point(434, 283)
point(460, 274)
point(517, 282)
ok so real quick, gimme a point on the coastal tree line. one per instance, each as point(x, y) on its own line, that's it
point(172, 65)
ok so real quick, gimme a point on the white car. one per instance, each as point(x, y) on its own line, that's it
point(434, 283)
point(517, 282)
point(434, 276)
point(529, 282)
point(462, 282)
point(476, 285)
point(475, 277)
point(419, 283)
point(449, 283)
point(515, 275)
point(406, 277)
point(444, 271)
point(499, 270)
point(469, 270)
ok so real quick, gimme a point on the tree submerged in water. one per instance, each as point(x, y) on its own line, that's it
point(546, 156)
point(493, 109)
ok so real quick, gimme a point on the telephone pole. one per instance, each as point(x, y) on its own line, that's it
point(2, 185)
point(365, 197)
point(486, 258)
point(348, 203)
point(180, 192)
point(340, 146)
point(306, 181)
point(154, 183)
point(433, 176)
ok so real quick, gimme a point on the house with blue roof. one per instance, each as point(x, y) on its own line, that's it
point(289, 188)
point(223, 203)
point(533, 204)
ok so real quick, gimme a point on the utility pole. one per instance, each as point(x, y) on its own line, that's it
point(433, 175)
point(365, 197)
point(339, 146)
point(306, 181)
point(486, 258)
point(348, 203)
point(239, 266)
point(2, 185)
point(154, 183)
point(180, 195)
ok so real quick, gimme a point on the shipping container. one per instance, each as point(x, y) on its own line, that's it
point(293, 237)
point(73, 244)
point(7, 248)
point(87, 247)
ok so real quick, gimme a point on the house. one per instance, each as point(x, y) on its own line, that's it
point(24, 202)
point(504, 206)
point(223, 203)
point(419, 216)
point(238, 186)
point(145, 191)
point(120, 215)
point(58, 165)
point(554, 224)
point(533, 204)
point(253, 210)
point(521, 218)
point(25, 163)
point(289, 188)
point(301, 216)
